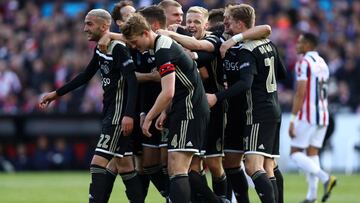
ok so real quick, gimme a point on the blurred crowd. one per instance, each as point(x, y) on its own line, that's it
point(45, 153)
point(40, 49)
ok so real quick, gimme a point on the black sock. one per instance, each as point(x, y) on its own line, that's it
point(97, 190)
point(180, 188)
point(220, 186)
point(145, 182)
point(133, 187)
point(229, 190)
point(199, 186)
point(280, 184)
point(263, 187)
point(239, 184)
point(110, 178)
point(158, 178)
point(276, 192)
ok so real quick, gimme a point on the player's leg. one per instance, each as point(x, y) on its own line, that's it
point(269, 165)
point(102, 178)
point(130, 178)
point(219, 179)
point(178, 166)
point(311, 135)
point(153, 166)
point(185, 138)
point(137, 139)
point(111, 173)
point(126, 169)
point(234, 150)
point(214, 150)
point(316, 142)
point(259, 143)
point(236, 176)
point(279, 183)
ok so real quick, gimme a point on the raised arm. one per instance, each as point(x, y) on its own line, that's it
point(188, 42)
point(257, 32)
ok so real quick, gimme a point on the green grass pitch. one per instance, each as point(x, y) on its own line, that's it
point(72, 187)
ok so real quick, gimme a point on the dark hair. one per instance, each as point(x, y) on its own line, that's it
point(216, 15)
point(115, 13)
point(311, 38)
point(154, 14)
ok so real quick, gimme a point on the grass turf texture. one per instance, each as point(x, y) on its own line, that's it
point(72, 187)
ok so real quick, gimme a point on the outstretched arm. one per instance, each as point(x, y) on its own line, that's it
point(188, 42)
point(257, 32)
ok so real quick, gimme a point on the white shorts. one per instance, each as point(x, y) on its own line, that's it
point(308, 135)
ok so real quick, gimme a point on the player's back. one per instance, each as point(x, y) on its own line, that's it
point(262, 99)
point(315, 71)
point(189, 92)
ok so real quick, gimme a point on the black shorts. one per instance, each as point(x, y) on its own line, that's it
point(187, 135)
point(112, 142)
point(214, 142)
point(234, 133)
point(157, 140)
point(263, 138)
point(137, 138)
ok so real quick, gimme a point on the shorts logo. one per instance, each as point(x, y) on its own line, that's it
point(174, 141)
point(261, 147)
point(218, 144)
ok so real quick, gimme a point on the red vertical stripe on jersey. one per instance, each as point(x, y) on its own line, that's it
point(324, 117)
point(308, 92)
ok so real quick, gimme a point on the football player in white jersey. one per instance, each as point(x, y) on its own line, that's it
point(310, 116)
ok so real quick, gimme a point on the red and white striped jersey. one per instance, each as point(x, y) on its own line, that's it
point(313, 69)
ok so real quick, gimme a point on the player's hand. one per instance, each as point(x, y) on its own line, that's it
point(225, 46)
point(292, 133)
point(146, 126)
point(104, 42)
point(155, 75)
point(142, 118)
point(127, 125)
point(173, 27)
point(212, 99)
point(159, 124)
point(163, 32)
point(47, 99)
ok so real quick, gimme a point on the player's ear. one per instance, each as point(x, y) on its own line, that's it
point(146, 33)
point(206, 25)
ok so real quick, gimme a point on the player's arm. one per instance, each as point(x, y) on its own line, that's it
point(300, 94)
point(203, 58)
point(78, 81)
point(146, 77)
point(164, 98)
point(245, 80)
point(188, 42)
point(254, 33)
point(104, 41)
point(127, 68)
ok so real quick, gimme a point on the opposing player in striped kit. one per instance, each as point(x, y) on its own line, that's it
point(310, 111)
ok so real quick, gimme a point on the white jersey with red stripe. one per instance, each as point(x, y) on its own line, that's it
point(313, 69)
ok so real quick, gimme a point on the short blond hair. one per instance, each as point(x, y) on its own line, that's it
point(134, 26)
point(167, 3)
point(199, 9)
point(101, 14)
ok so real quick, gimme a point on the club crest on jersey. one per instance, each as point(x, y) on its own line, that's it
point(105, 67)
